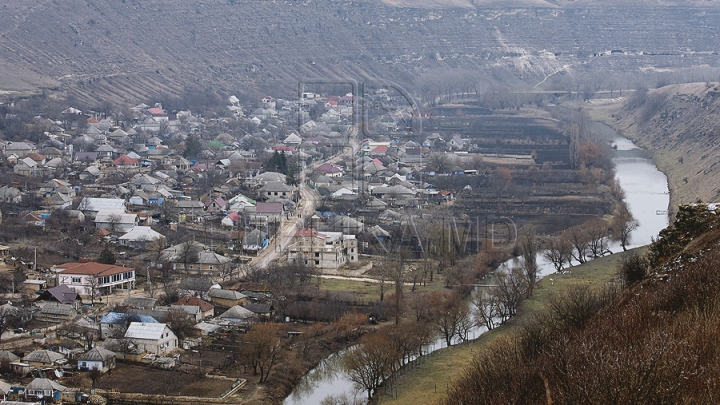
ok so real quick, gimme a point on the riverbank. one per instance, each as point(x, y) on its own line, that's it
point(428, 381)
point(685, 158)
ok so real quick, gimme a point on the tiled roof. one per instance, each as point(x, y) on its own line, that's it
point(269, 208)
point(91, 268)
point(124, 160)
point(309, 232)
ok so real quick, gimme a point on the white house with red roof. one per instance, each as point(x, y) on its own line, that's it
point(83, 278)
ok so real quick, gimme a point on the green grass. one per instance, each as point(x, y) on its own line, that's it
point(365, 291)
point(371, 291)
point(426, 383)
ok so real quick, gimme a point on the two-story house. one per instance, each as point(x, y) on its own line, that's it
point(95, 278)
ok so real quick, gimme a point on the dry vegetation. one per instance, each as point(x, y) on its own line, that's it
point(652, 342)
point(151, 381)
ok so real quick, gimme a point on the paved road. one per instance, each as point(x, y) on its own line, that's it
point(288, 227)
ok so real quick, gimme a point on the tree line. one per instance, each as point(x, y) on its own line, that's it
point(645, 339)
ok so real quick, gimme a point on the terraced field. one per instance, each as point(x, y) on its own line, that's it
point(126, 50)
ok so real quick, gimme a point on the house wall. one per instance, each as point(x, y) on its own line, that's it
point(45, 317)
point(272, 217)
point(23, 170)
point(282, 194)
point(324, 256)
point(90, 365)
point(160, 346)
point(199, 268)
point(118, 227)
point(82, 283)
point(228, 303)
point(37, 364)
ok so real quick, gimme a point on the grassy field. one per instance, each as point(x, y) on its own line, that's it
point(368, 292)
point(427, 382)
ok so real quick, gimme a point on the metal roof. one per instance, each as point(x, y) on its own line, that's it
point(144, 330)
point(141, 234)
point(97, 204)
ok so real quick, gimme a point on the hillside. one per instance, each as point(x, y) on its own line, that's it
point(678, 125)
point(652, 342)
point(128, 50)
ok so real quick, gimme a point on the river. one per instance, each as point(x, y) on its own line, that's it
point(647, 197)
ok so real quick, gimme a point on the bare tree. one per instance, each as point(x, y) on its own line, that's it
point(439, 162)
point(510, 290)
point(92, 284)
point(451, 317)
point(579, 240)
point(156, 248)
point(623, 226)
point(558, 250)
point(529, 248)
point(95, 373)
point(488, 308)
point(423, 305)
point(180, 322)
point(404, 340)
point(188, 254)
point(114, 221)
point(597, 235)
point(226, 271)
point(263, 349)
point(7, 318)
point(371, 362)
point(342, 399)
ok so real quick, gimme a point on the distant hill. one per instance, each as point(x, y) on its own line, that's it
point(128, 50)
point(679, 125)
